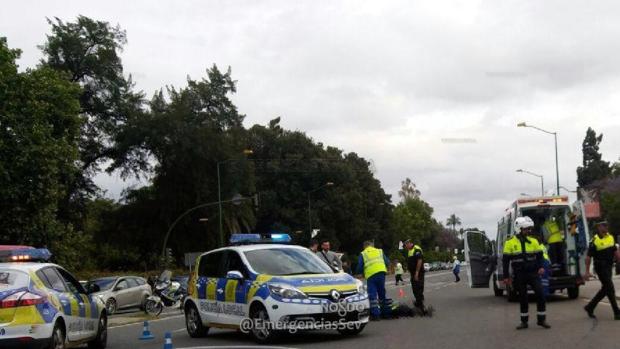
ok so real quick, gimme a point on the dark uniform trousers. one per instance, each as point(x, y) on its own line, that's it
point(418, 291)
point(522, 280)
point(604, 272)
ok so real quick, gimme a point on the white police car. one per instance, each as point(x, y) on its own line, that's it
point(43, 306)
point(262, 287)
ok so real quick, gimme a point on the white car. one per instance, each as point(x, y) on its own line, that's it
point(427, 267)
point(44, 306)
point(266, 288)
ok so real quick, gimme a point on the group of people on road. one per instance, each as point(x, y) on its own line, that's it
point(527, 256)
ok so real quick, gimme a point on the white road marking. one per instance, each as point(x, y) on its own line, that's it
point(236, 346)
point(141, 322)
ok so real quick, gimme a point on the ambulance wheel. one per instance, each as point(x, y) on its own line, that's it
point(264, 335)
point(573, 292)
point(101, 341)
point(352, 331)
point(496, 290)
point(194, 325)
point(58, 337)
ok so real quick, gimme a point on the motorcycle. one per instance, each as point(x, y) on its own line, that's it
point(166, 293)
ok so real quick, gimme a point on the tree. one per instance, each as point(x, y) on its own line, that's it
point(453, 221)
point(412, 219)
point(408, 190)
point(39, 134)
point(594, 168)
point(86, 52)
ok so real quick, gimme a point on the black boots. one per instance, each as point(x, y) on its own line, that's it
point(522, 326)
point(590, 312)
point(543, 324)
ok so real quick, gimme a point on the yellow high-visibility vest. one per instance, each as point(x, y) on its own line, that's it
point(373, 261)
point(603, 243)
point(412, 251)
point(555, 234)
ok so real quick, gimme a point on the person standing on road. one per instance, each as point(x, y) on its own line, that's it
point(603, 249)
point(328, 256)
point(415, 264)
point(398, 273)
point(526, 255)
point(372, 263)
point(456, 269)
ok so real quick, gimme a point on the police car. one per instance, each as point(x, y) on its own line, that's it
point(263, 286)
point(44, 306)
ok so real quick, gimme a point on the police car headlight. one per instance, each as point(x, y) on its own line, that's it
point(286, 291)
point(361, 288)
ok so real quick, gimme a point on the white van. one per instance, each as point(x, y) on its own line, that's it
point(484, 256)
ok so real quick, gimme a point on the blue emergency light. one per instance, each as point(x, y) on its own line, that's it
point(246, 239)
point(28, 254)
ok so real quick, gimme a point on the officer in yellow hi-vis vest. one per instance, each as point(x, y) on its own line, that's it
point(603, 249)
point(415, 264)
point(555, 240)
point(525, 254)
point(373, 263)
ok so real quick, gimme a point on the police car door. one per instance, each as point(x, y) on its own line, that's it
point(231, 290)
point(206, 285)
point(480, 259)
point(86, 319)
point(69, 307)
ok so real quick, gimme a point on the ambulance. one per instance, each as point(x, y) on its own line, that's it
point(484, 256)
point(43, 306)
point(263, 286)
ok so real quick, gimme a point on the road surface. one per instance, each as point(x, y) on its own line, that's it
point(464, 318)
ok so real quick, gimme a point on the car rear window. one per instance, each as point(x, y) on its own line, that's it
point(10, 279)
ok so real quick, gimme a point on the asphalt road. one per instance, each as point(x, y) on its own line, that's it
point(464, 318)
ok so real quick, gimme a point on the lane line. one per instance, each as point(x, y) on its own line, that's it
point(141, 322)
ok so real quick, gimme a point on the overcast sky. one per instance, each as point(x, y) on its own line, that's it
point(389, 80)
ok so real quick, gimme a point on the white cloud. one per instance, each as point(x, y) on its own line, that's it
point(389, 80)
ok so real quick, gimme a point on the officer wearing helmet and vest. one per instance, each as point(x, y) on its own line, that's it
point(603, 250)
point(525, 254)
point(372, 263)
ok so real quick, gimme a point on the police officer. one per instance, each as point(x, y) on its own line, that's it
point(555, 240)
point(603, 249)
point(372, 263)
point(415, 264)
point(526, 255)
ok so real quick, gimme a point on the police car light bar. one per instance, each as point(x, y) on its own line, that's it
point(25, 255)
point(245, 239)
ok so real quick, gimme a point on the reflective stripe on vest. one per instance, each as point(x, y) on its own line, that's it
point(603, 243)
point(513, 247)
point(373, 261)
point(545, 254)
point(555, 234)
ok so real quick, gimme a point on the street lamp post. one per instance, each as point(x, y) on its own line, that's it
point(542, 181)
point(555, 137)
point(328, 184)
point(219, 194)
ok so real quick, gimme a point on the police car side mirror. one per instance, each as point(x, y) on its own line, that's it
point(234, 275)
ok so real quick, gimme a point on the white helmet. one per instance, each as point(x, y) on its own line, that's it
point(523, 222)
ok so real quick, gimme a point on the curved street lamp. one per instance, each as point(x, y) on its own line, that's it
point(542, 181)
point(555, 136)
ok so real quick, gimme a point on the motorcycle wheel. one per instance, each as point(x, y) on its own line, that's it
point(153, 308)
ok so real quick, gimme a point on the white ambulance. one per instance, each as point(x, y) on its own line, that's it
point(484, 257)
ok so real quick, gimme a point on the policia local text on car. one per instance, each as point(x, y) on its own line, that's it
point(526, 256)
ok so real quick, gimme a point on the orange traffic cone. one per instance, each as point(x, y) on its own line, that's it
point(401, 293)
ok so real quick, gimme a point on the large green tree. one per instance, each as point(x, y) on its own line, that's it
point(39, 137)
point(593, 166)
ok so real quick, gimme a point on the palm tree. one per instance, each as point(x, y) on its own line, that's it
point(453, 221)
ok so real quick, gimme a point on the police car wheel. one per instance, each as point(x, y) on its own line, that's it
point(110, 306)
point(261, 335)
point(573, 292)
point(101, 341)
point(357, 328)
point(58, 338)
point(193, 323)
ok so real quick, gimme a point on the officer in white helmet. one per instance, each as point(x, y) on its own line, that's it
point(525, 254)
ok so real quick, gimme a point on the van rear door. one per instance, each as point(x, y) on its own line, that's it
point(480, 259)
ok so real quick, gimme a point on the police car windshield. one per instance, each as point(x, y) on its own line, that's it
point(286, 261)
point(10, 279)
point(104, 283)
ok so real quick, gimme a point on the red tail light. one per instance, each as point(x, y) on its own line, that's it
point(22, 299)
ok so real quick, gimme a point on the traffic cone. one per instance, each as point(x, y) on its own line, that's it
point(168, 341)
point(146, 333)
point(401, 293)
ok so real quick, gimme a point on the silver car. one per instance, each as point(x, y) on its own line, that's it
point(122, 292)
